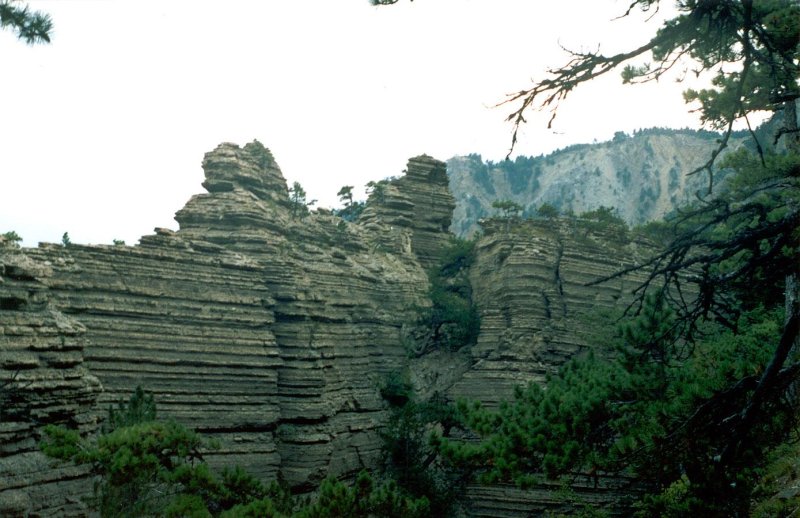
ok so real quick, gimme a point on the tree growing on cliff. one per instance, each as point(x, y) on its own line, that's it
point(352, 209)
point(377, 190)
point(452, 321)
point(732, 253)
point(507, 208)
point(345, 195)
point(11, 237)
point(547, 210)
point(297, 198)
point(30, 26)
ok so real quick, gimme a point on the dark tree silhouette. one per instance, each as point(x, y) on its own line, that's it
point(30, 26)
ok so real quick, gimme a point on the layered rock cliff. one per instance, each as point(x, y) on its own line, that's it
point(529, 281)
point(272, 329)
point(420, 201)
point(43, 380)
point(263, 327)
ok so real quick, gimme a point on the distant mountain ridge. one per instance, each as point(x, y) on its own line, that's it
point(644, 176)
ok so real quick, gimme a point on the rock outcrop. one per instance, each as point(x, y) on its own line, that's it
point(529, 282)
point(192, 325)
point(291, 319)
point(43, 380)
point(272, 329)
point(419, 201)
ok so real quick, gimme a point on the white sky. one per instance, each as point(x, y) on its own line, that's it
point(103, 131)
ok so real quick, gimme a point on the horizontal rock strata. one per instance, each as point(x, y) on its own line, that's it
point(529, 281)
point(191, 325)
point(43, 380)
point(262, 326)
point(343, 293)
point(419, 201)
point(550, 499)
point(272, 329)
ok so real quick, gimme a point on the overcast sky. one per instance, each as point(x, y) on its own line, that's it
point(103, 131)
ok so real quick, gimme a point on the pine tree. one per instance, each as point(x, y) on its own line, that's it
point(698, 390)
point(30, 26)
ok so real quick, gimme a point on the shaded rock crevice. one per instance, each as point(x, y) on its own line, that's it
point(559, 282)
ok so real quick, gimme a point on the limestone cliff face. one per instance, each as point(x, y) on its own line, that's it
point(419, 201)
point(271, 329)
point(342, 299)
point(190, 322)
point(265, 328)
point(644, 177)
point(529, 282)
point(43, 380)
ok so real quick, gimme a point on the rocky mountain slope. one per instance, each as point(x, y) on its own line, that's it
point(272, 330)
point(643, 176)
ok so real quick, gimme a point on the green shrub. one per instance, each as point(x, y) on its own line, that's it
point(452, 319)
point(508, 209)
point(397, 389)
point(140, 408)
point(12, 237)
point(413, 462)
point(547, 210)
point(146, 467)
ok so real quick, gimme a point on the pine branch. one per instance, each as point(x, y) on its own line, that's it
point(32, 27)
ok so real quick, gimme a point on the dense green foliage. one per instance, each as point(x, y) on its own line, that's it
point(147, 467)
point(631, 408)
point(452, 319)
point(140, 408)
point(547, 210)
point(29, 26)
point(410, 459)
point(507, 208)
point(12, 237)
point(605, 219)
point(142, 467)
point(364, 499)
